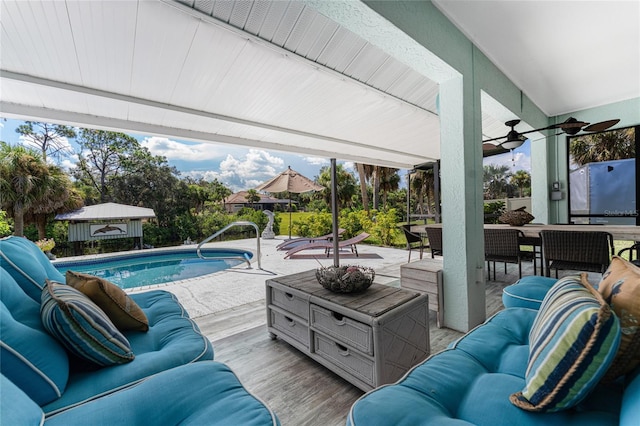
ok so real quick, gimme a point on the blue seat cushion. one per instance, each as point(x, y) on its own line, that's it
point(17, 407)
point(527, 292)
point(204, 393)
point(27, 264)
point(470, 384)
point(173, 339)
point(29, 356)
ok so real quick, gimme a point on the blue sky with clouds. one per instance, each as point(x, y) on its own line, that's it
point(243, 168)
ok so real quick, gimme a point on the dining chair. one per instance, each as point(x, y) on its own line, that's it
point(413, 241)
point(634, 248)
point(502, 245)
point(434, 235)
point(576, 250)
point(535, 254)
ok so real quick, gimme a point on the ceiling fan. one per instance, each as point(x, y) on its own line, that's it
point(570, 126)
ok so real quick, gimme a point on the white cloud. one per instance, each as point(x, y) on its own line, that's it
point(243, 173)
point(516, 161)
point(316, 161)
point(174, 150)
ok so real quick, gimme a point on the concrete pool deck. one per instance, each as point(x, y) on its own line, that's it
point(228, 289)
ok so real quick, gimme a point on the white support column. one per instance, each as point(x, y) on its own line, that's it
point(462, 217)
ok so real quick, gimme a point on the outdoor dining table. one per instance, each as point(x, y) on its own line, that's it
point(619, 232)
point(532, 231)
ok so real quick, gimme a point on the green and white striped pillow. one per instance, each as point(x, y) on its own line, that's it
point(572, 343)
point(81, 326)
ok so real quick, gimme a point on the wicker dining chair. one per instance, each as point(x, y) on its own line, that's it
point(434, 235)
point(576, 250)
point(413, 241)
point(502, 245)
point(634, 248)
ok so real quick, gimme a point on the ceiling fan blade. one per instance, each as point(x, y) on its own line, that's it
point(494, 139)
point(601, 126)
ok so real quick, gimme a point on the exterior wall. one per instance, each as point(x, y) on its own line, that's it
point(81, 231)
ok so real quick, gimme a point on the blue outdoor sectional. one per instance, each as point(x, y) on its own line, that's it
point(556, 355)
point(64, 361)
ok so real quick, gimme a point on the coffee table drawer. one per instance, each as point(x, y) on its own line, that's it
point(342, 328)
point(292, 327)
point(345, 358)
point(290, 302)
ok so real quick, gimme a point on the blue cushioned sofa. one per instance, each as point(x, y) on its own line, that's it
point(173, 378)
point(470, 382)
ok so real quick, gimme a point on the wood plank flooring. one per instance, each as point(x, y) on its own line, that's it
point(300, 391)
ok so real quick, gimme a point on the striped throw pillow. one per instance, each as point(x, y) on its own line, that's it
point(572, 343)
point(81, 326)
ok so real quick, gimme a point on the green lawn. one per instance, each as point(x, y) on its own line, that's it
point(284, 225)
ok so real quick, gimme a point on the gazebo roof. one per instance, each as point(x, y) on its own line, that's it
point(107, 211)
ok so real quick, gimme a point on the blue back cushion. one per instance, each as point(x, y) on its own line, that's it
point(31, 358)
point(27, 264)
point(17, 408)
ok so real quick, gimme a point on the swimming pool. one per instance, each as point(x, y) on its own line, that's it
point(154, 267)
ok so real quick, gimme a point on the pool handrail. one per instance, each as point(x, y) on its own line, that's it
point(243, 258)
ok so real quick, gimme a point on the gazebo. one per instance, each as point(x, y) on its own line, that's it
point(105, 221)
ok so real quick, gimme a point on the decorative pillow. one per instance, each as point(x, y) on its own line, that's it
point(82, 326)
point(620, 288)
point(572, 343)
point(119, 307)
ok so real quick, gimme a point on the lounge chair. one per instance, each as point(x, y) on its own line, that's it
point(328, 245)
point(289, 244)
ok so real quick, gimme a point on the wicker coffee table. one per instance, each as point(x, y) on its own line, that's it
point(368, 338)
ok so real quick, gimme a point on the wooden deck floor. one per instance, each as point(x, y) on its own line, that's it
point(300, 391)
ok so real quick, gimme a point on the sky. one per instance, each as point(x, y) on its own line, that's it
point(243, 168)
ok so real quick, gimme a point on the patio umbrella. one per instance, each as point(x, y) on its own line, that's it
point(292, 182)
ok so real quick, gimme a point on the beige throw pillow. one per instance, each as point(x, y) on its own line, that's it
point(119, 307)
point(620, 288)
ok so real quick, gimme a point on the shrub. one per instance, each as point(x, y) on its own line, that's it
point(314, 225)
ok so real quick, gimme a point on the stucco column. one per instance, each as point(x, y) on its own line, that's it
point(462, 216)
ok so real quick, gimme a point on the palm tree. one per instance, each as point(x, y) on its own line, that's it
point(521, 179)
point(389, 182)
point(252, 196)
point(363, 186)
point(612, 145)
point(24, 178)
point(59, 196)
point(495, 180)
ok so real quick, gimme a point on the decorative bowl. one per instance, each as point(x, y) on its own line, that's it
point(517, 217)
point(346, 278)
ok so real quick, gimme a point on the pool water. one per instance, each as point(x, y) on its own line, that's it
point(151, 268)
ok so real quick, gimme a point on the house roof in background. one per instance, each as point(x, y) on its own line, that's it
point(241, 198)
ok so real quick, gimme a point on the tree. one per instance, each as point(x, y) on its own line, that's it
point(48, 138)
point(521, 179)
point(422, 183)
point(252, 196)
point(24, 178)
point(147, 180)
point(362, 177)
point(389, 182)
point(102, 158)
point(495, 181)
point(606, 146)
point(346, 185)
point(59, 196)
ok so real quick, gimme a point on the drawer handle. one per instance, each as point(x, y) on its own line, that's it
point(339, 318)
point(290, 321)
point(343, 350)
point(289, 296)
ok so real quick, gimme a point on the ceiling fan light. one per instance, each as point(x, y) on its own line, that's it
point(514, 140)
